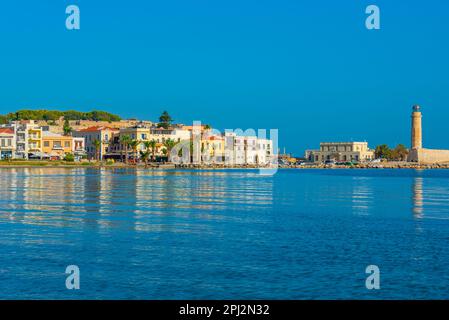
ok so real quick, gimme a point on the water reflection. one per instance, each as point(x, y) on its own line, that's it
point(134, 199)
point(362, 197)
point(418, 200)
point(430, 198)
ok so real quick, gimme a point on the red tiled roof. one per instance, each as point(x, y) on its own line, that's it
point(97, 128)
point(6, 130)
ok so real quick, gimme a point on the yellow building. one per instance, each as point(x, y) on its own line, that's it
point(140, 134)
point(213, 148)
point(35, 140)
point(341, 152)
point(55, 145)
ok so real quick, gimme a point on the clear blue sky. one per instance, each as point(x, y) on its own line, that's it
point(309, 68)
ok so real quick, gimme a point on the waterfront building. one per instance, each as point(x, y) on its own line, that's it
point(97, 133)
point(34, 140)
point(22, 146)
point(213, 148)
point(264, 151)
point(56, 146)
point(175, 134)
point(78, 147)
point(341, 152)
point(28, 138)
point(143, 133)
point(140, 133)
point(7, 143)
point(417, 153)
point(241, 150)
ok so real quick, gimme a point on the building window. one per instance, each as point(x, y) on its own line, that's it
point(67, 144)
point(57, 144)
point(46, 143)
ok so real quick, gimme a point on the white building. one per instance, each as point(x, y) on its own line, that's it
point(90, 135)
point(251, 150)
point(175, 134)
point(7, 143)
point(27, 137)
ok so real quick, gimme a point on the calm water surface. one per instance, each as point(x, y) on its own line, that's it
point(301, 234)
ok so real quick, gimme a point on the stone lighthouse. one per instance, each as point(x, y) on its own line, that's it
point(416, 128)
point(419, 154)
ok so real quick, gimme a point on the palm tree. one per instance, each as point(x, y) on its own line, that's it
point(134, 144)
point(153, 147)
point(169, 144)
point(97, 146)
point(150, 147)
point(145, 155)
point(125, 140)
point(164, 152)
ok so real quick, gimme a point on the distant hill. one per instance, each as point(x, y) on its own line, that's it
point(53, 115)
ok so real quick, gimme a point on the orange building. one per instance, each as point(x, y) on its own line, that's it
point(55, 145)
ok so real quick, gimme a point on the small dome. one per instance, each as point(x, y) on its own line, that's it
point(416, 108)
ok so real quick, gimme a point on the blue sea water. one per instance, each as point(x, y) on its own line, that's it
point(223, 234)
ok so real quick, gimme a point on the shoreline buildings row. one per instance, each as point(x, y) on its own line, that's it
point(29, 139)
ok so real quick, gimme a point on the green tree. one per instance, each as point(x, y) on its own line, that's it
point(145, 156)
point(134, 144)
point(97, 146)
point(67, 128)
point(52, 115)
point(125, 140)
point(165, 120)
point(383, 152)
point(3, 119)
point(399, 153)
point(151, 146)
point(69, 157)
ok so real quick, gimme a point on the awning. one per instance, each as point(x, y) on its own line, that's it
point(39, 155)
